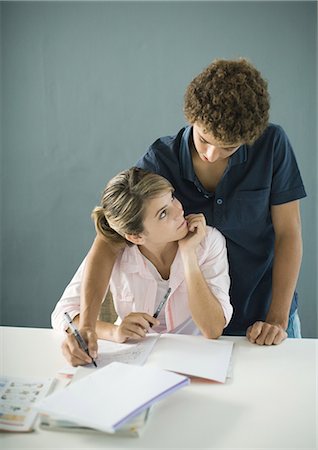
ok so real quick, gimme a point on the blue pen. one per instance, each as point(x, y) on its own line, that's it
point(77, 336)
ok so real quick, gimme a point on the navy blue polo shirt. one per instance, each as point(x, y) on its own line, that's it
point(257, 176)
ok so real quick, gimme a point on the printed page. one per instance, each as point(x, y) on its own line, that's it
point(17, 398)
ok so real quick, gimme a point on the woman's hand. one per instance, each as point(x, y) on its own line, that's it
point(73, 352)
point(134, 326)
point(196, 232)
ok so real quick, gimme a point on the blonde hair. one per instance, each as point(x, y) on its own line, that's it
point(123, 203)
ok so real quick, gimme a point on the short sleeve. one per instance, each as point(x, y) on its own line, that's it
point(287, 184)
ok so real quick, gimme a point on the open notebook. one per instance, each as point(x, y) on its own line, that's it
point(110, 397)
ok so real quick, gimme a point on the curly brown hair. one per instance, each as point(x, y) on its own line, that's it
point(230, 100)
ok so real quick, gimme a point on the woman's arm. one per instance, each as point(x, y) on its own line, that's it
point(205, 307)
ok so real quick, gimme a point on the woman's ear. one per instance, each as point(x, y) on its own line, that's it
point(136, 239)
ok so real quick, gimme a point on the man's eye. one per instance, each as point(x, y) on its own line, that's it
point(163, 214)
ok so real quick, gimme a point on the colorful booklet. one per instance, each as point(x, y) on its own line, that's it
point(17, 399)
point(112, 396)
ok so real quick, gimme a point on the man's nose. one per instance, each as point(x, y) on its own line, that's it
point(212, 153)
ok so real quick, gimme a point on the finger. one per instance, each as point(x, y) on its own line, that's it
point(255, 331)
point(147, 320)
point(138, 320)
point(262, 337)
point(280, 337)
point(133, 332)
point(72, 347)
point(151, 320)
point(271, 335)
point(73, 359)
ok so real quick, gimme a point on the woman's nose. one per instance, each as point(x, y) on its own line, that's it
point(179, 208)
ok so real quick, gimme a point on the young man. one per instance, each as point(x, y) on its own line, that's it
point(241, 173)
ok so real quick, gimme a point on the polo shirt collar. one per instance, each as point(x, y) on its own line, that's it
point(186, 165)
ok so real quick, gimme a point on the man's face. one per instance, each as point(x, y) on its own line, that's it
point(209, 149)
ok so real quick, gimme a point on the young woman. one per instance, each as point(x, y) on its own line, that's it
point(166, 252)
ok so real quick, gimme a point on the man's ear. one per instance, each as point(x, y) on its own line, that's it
point(136, 239)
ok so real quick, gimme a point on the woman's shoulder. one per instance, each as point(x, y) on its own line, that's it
point(213, 240)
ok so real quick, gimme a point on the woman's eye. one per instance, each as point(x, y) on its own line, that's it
point(163, 214)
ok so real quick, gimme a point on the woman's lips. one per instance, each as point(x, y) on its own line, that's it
point(183, 223)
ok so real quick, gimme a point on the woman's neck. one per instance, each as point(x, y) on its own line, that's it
point(161, 256)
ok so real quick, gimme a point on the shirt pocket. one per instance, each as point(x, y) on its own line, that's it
point(125, 304)
point(252, 206)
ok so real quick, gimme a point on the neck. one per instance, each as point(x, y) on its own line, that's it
point(161, 256)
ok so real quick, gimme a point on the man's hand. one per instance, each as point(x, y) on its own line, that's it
point(73, 352)
point(134, 326)
point(264, 333)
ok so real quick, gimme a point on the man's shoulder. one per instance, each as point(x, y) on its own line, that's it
point(162, 154)
point(166, 144)
point(272, 134)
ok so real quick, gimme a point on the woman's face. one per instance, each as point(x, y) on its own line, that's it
point(164, 220)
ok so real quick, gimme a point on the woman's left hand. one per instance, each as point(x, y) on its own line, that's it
point(196, 232)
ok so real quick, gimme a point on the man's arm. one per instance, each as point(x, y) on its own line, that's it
point(99, 265)
point(287, 260)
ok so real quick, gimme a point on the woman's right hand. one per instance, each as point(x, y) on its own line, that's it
point(73, 352)
point(134, 326)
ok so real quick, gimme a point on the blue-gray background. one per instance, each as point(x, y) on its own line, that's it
point(86, 87)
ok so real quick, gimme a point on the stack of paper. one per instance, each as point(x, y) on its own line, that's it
point(110, 397)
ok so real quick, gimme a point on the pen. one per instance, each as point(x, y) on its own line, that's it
point(160, 306)
point(77, 335)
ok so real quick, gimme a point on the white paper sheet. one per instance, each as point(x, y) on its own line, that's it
point(193, 355)
point(111, 396)
point(131, 352)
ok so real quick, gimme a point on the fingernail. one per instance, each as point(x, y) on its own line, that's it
point(94, 355)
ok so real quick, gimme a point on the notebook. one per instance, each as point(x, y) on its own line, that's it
point(110, 397)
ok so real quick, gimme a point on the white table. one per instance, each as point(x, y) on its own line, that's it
point(270, 403)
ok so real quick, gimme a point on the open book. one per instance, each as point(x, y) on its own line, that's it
point(110, 397)
point(194, 356)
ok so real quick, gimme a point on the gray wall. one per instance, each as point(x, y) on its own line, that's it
point(86, 87)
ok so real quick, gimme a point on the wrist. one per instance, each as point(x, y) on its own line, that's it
point(189, 258)
point(278, 320)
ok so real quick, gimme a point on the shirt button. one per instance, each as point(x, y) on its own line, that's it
point(219, 201)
